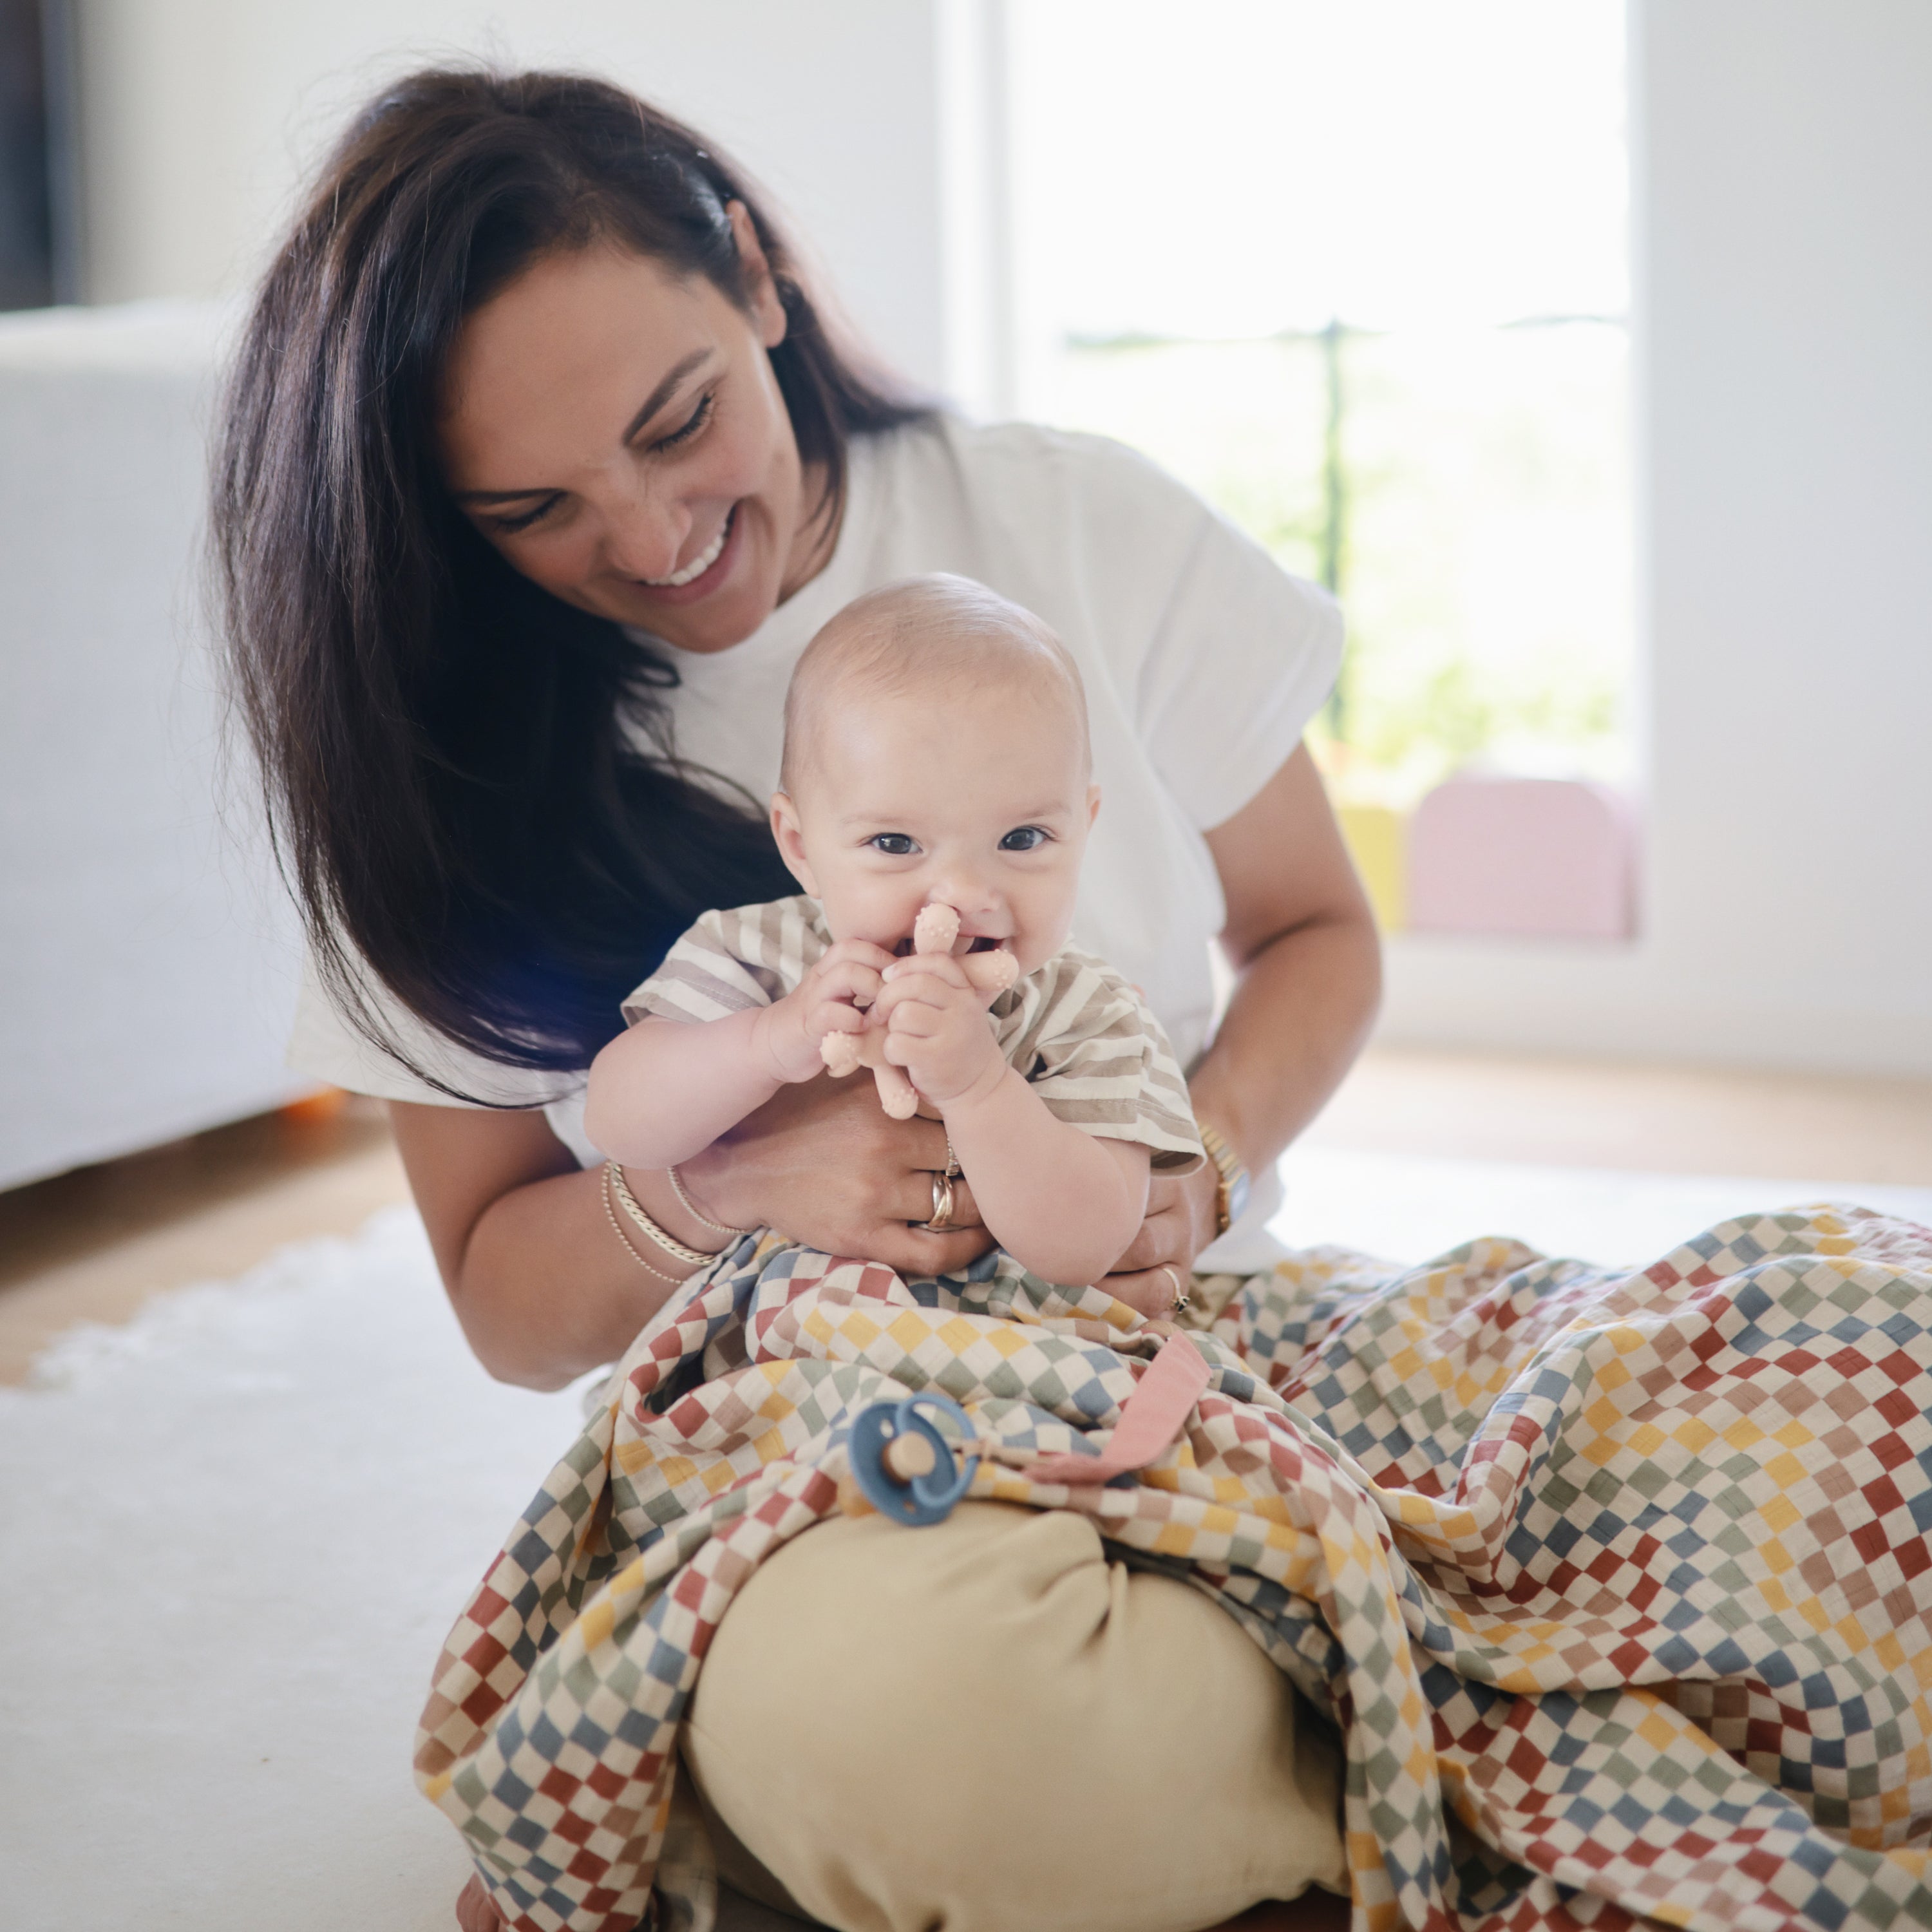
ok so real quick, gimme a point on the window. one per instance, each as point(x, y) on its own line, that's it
point(1358, 273)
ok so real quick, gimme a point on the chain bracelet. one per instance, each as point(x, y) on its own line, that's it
point(697, 1213)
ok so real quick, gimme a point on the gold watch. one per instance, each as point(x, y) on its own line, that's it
point(1230, 1187)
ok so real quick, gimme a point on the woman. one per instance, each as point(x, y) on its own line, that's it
point(540, 467)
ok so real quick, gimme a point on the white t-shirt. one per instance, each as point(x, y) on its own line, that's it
point(1203, 661)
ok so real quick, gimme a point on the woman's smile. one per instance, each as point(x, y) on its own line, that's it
point(704, 572)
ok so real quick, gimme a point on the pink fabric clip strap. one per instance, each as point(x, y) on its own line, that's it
point(1150, 1418)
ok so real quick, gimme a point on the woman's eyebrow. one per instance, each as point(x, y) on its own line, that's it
point(654, 402)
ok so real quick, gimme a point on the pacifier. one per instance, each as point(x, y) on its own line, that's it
point(903, 1467)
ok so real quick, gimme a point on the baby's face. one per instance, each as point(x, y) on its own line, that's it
point(981, 801)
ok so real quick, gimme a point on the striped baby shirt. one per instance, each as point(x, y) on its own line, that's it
point(1084, 1039)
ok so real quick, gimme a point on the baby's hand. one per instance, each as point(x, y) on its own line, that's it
point(828, 999)
point(936, 1027)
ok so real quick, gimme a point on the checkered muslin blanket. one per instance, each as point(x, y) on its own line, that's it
point(1617, 1584)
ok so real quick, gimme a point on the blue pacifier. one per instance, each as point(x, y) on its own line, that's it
point(902, 1464)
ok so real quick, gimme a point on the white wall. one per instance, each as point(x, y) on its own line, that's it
point(201, 117)
point(1783, 269)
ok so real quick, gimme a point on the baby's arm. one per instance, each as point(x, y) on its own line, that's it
point(1059, 1200)
point(667, 1088)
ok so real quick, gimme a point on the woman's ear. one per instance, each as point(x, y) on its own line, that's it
point(760, 289)
point(791, 841)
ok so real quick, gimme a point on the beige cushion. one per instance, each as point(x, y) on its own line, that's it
point(989, 1724)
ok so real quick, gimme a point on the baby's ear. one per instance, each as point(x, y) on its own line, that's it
point(1093, 803)
point(786, 830)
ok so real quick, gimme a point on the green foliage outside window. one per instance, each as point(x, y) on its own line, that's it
point(1467, 498)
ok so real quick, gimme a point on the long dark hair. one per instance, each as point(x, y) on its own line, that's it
point(456, 800)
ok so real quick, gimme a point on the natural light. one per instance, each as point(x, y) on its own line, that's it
point(1359, 273)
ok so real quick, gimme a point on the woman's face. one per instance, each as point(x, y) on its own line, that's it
point(618, 434)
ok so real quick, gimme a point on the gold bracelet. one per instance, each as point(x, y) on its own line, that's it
point(616, 1229)
point(1231, 1179)
point(669, 1242)
point(697, 1213)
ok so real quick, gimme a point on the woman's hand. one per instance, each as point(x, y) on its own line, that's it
point(1181, 1221)
point(823, 1162)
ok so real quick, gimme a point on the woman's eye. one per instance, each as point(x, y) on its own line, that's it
point(689, 427)
point(1023, 839)
point(527, 517)
point(894, 844)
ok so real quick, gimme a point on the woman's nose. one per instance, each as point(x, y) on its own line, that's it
point(645, 541)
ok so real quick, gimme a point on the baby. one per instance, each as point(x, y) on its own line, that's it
point(936, 754)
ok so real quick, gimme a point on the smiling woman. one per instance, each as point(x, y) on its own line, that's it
point(540, 473)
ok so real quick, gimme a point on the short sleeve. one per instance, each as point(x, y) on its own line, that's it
point(1219, 657)
point(733, 961)
point(1242, 657)
point(1088, 1046)
point(326, 1044)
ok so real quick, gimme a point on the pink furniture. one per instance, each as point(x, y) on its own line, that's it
point(1542, 858)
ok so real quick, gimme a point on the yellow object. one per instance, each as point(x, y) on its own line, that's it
point(1377, 836)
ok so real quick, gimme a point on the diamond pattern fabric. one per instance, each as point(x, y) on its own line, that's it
point(1619, 1585)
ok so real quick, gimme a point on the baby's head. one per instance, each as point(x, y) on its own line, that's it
point(936, 748)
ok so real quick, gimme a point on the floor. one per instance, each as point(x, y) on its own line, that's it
point(93, 1245)
point(298, 1473)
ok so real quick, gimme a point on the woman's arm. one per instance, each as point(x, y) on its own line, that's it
point(1302, 942)
point(541, 1284)
point(544, 1287)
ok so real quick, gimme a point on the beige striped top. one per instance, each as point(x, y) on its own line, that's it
point(1084, 1038)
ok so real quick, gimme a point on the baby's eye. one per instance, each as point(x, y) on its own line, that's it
point(894, 844)
point(1023, 838)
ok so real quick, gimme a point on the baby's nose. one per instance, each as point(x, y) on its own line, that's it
point(969, 892)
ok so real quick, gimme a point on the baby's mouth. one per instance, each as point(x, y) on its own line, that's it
point(978, 942)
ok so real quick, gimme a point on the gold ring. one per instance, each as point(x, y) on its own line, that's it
point(1181, 1296)
point(942, 1221)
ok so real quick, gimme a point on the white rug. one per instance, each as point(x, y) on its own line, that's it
point(232, 1534)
